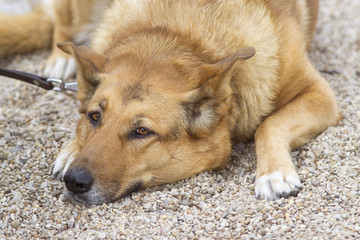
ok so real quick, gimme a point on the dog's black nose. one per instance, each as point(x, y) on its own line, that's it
point(78, 180)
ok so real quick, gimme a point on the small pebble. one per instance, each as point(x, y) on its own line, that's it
point(315, 182)
point(15, 223)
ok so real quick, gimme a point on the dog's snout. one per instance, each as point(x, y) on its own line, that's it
point(78, 180)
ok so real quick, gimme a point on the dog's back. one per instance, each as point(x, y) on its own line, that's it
point(220, 26)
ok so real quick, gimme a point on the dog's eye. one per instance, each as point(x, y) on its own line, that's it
point(142, 131)
point(94, 118)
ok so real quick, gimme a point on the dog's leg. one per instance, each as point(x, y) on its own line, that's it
point(307, 115)
point(64, 159)
point(74, 20)
point(59, 64)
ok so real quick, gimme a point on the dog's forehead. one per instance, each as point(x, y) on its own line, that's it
point(127, 97)
point(128, 85)
point(126, 93)
point(138, 91)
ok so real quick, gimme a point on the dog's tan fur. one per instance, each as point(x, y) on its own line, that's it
point(199, 76)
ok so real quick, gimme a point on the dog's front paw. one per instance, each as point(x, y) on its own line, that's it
point(275, 186)
point(64, 159)
point(60, 67)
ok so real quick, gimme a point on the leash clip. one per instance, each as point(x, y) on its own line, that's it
point(43, 82)
point(60, 86)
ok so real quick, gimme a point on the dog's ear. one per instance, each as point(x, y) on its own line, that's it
point(207, 104)
point(90, 64)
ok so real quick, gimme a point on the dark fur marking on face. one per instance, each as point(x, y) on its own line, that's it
point(192, 109)
point(103, 104)
point(134, 92)
point(200, 115)
point(190, 114)
point(137, 121)
point(189, 110)
point(173, 134)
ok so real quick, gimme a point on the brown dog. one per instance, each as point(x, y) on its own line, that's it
point(168, 86)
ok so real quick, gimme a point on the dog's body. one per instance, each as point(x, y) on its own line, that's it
point(168, 86)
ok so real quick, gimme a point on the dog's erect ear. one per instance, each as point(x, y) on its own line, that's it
point(207, 104)
point(217, 75)
point(90, 64)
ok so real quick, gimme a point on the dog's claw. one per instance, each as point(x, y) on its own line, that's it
point(54, 175)
point(296, 191)
point(283, 195)
point(63, 161)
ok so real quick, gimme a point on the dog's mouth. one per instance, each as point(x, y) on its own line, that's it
point(96, 197)
point(93, 197)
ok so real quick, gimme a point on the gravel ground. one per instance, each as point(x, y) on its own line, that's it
point(35, 125)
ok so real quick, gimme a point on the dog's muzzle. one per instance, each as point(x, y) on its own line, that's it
point(78, 180)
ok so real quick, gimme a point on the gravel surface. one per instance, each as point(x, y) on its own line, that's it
point(35, 125)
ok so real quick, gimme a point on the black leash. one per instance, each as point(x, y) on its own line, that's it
point(43, 82)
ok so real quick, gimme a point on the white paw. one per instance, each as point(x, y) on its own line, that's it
point(63, 160)
point(275, 186)
point(61, 68)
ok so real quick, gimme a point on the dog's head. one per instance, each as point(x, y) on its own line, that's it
point(147, 121)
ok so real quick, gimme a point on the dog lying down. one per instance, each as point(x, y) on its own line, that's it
point(167, 87)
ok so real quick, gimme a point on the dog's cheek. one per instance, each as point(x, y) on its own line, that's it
point(156, 156)
point(82, 130)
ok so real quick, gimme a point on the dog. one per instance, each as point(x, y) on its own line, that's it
point(167, 87)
